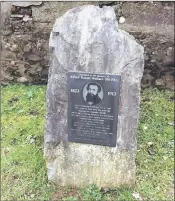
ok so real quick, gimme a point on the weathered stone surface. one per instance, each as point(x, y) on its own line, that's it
point(21, 10)
point(87, 39)
point(26, 18)
point(16, 16)
point(22, 79)
point(26, 4)
point(80, 165)
point(55, 10)
point(27, 48)
point(34, 57)
point(5, 8)
point(14, 48)
point(159, 13)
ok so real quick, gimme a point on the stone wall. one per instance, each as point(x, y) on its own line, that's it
point(26, 28)
point(152, 23)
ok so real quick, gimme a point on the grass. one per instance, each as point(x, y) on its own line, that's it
point(23, 170)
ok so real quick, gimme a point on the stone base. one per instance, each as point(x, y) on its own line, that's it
point(80, 165)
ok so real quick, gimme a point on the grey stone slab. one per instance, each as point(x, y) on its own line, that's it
point(87, 39)
point(26, 3)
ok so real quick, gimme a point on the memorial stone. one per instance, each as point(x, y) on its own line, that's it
point(92, 140)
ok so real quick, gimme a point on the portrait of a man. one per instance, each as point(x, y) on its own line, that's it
point(93, 93)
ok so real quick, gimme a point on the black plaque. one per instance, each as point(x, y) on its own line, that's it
point(93, 101)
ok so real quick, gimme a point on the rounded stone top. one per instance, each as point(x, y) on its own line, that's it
point(84, 22)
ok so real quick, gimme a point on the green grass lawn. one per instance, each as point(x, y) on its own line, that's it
point(23, 171)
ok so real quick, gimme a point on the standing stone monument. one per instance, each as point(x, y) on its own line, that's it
point(92, 140)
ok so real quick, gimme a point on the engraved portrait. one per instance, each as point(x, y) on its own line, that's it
point(93, 93)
